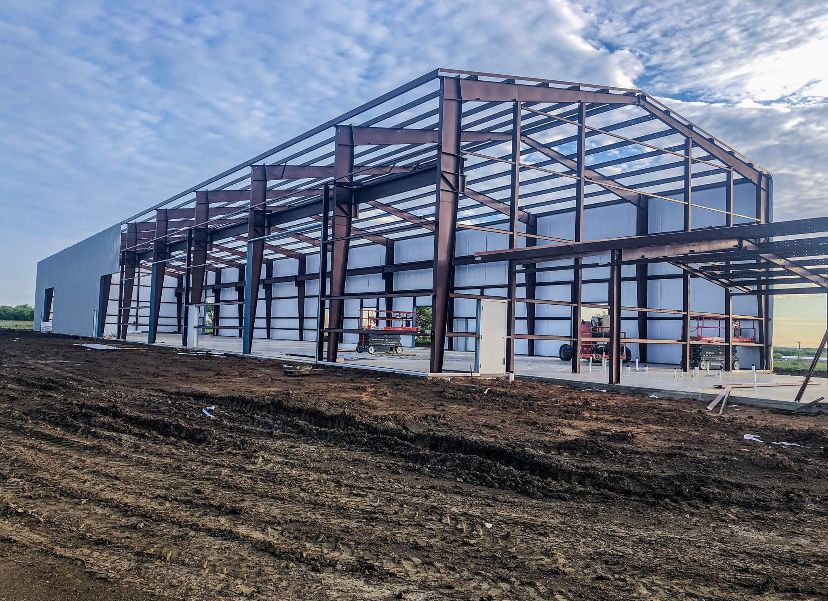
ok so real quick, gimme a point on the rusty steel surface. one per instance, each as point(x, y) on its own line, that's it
point(456, 150)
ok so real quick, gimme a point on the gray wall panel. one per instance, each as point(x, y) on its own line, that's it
point(75, 274)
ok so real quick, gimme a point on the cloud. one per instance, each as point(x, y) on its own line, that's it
point(721, 51)
point(790, 141)
point(107, 108)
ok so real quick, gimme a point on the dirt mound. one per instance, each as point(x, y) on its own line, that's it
point(148, 474)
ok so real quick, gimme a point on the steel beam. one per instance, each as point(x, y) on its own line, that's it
point(786, 264)
point(395, 184)
point(355, 232)
point(592, 175)
point(492, 91)
point(445, 213)
point(404, 215)
point(281, 172)
point(735, 233)
point(343, 210)
point(377, 136)
point(746, 170)
point(497, 205)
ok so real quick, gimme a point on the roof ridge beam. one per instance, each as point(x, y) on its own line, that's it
point(492, 91)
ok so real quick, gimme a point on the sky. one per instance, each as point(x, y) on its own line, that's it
point(109, 107)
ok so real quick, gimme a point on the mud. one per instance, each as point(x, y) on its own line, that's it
point(341, 484)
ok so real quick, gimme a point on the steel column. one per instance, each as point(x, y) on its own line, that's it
point(685, 276)
point(343, 208)
point(530, 280)
point(198, 241)
point(762, 303)
point(179, 302)
point(445, 213)
point(728, 295)
point(217, 305)
point(388, 277)
point(514, 209)
point(158, 270)
point(642, 228)
point(240, 302)
point(129, 260)
point(578, 275)
point(200, 244)
point(268, 292)
point(255, 252)
point(301, 271)
point(615, 318)
point(188, 264)
point(323, 274)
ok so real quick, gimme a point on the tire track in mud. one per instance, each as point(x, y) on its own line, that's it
point(307, 516)
point(306, 488)
point(128, 505)
point(494, 465)
point(450, 456)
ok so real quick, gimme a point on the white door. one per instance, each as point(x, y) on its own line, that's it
point(490, 354)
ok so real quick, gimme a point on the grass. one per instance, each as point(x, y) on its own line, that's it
point(15, 325)
point(797, 367)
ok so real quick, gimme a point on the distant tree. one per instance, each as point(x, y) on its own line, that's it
point(424, 320)
point(424, 315)
point(18, 313)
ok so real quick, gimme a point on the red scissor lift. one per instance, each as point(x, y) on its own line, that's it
point(380, 331)
point(710, 338)
point(594, 343)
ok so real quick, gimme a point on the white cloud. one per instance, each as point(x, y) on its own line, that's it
point(106, 108)
point(725, 51)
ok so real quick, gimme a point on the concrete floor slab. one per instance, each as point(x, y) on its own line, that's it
point(659, 380)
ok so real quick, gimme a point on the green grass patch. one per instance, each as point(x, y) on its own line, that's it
point(15, 325)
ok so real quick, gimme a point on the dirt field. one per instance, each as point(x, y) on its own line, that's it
point(348, 485)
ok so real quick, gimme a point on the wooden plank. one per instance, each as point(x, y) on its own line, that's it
point(719, 398)
point(758, 385)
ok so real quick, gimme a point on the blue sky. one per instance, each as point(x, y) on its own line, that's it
point(108, 107)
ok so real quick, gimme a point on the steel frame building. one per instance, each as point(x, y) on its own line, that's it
point(511, 169)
